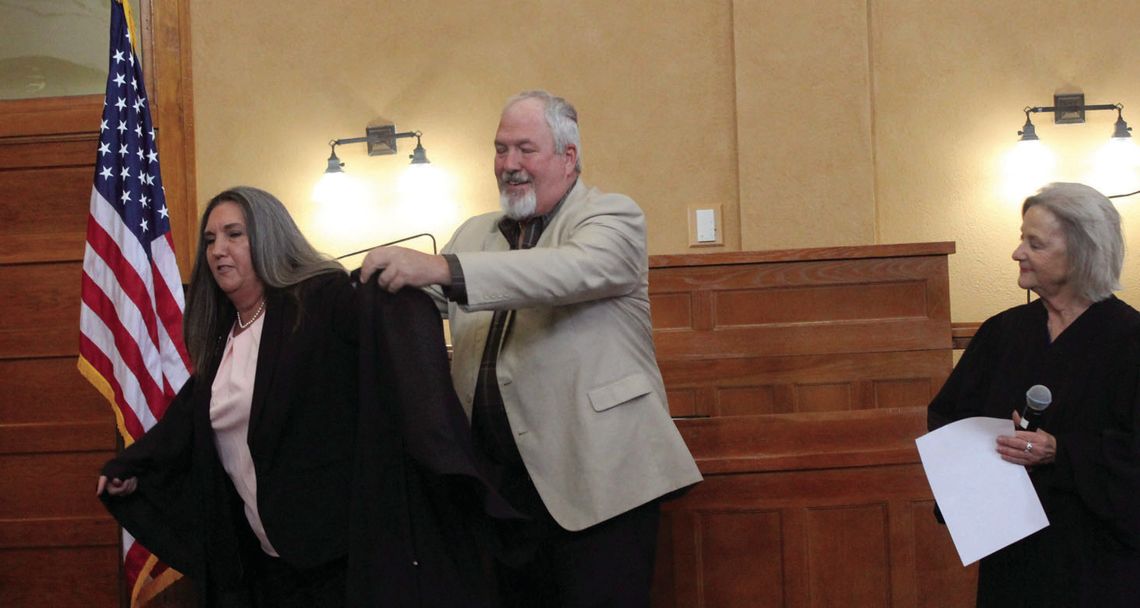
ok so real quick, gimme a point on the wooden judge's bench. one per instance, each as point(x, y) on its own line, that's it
point(799, 380)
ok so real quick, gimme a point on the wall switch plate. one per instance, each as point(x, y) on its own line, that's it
point(705, 226)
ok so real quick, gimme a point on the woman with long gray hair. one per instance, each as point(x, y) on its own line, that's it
point(1082, 343)
point(244, 483)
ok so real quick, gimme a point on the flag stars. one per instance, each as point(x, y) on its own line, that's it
point(121, 104)
point(134, 84)
point(118, 56)
point(126, 173)
point(106, 173)
point(122, 126)
point(126, 198)
point(104, 147)
point(162, 211)
point(144, 201)
point(138, 130)
point(138, 104)
point(144, 226)
point(152, 156)
point(103, 125)
point(120, 80)
point(123, 151)
point(147, 179)
point(139, 152)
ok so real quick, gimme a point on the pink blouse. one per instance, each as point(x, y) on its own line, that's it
point(230, 402)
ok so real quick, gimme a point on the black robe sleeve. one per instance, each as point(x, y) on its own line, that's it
point(161, 513)
point(421, 508)
point(1102, 465)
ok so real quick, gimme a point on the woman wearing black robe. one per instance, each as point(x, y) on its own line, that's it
point(1084, 461)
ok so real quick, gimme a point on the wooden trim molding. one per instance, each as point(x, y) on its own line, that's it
point(802, 255)
point(962, 333)
point(166, 41)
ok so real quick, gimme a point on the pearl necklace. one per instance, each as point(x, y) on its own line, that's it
point(257, 314)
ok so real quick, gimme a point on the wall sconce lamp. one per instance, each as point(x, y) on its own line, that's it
point(336, 184)
point(1114, 166)
point(381, 140)
point(1070, 109)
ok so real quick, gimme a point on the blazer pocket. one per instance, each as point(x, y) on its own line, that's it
point(621, 391)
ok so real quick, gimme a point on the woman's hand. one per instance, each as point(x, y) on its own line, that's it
point(117, 487)
point(1027, 448)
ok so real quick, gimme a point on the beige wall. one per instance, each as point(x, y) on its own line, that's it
point(813, 123)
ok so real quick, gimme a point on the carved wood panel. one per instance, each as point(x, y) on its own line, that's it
point(800, 379)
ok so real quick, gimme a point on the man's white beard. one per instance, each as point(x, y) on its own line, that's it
point(521, 207)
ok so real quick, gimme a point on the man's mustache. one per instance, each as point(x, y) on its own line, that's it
point(517, 176)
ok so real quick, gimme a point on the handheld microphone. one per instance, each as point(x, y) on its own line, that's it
point(1037, 398)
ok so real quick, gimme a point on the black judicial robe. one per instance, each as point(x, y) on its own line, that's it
point(413, 518)
point(301, 434)
point(422, 508)
point(1089, 555)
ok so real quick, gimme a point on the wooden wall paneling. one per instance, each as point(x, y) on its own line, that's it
point(786, 384)
point(79, 576)
point(30, 231)
point(807, 307)
point(58, 484)
point(58, 547)
point(39, 309)
point(802, 441)
point(44, 117)
point(821, 537)
point(848, 557)
point(939, 578)
point(902, 546)
point(48, 390)
point(748, 548)
point(797, 583)
point(45, 180)
point(800, 379)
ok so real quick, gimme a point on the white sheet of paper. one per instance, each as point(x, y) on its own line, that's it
point(988, 503)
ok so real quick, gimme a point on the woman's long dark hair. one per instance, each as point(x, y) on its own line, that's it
point(281, 258)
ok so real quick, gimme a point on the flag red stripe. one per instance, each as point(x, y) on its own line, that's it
point(126, 276)
point(102, 364)
point(170, 309)
point(125, 346)
point(134, 560)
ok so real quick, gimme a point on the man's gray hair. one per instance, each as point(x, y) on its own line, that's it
point(1093, 238)
point(561, 117)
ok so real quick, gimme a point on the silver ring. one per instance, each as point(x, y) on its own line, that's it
point(1028, 447)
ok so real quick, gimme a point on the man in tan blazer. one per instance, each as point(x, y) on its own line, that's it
point(554, 361)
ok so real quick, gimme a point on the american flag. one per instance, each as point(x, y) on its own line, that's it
point(130, 320)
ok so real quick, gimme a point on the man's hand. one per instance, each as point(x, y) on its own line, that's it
point(400, 267)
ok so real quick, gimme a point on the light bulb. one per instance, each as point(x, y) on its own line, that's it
point(1029, 165)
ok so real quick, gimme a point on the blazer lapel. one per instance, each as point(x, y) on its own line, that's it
point(263, 419)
